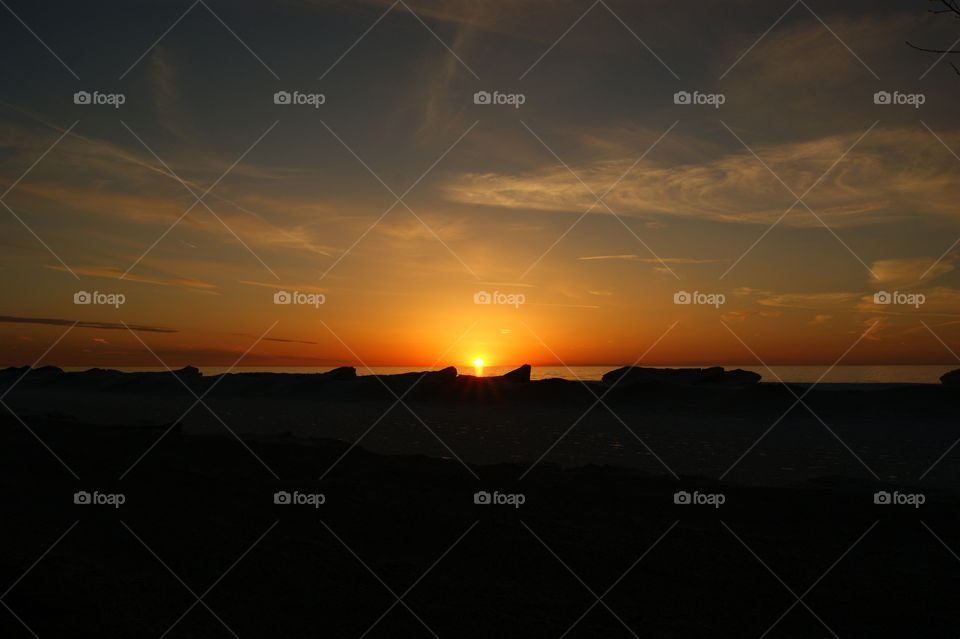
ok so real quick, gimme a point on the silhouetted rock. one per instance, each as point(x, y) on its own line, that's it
point(518, 375)
point(736, 378)
point(423, 381)
point(13, 370)
point(47, 370)
point(340, 374)
point(13, 374)
point(99, 372)
point(951, 379)
point(714, 375)
point(447, 374)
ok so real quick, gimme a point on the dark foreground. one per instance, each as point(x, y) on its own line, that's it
point(400, 549)
point(722, 425)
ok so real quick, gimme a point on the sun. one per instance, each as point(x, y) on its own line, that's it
point(478, 363)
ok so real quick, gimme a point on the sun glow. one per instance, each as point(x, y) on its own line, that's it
point(478, 363)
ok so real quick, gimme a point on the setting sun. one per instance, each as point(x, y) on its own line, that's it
point(705, 229)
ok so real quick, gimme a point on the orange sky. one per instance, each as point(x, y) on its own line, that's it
point(795, 202)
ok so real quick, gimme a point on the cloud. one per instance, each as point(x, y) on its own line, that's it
point(812, 300)
point(508, 284)
point(306, 288)
point(926, 329)
point(807, 72)
point(740, 316)
point(544, 21)
point(890, 175)
point(410, 228)
point(939, 301)
point(166, 95)
point(9, 319)
point(651, 260)
point(910, 271)
point(538, 20)
point(746, 291)
point(287, 341)
point(99, 178)
point(115, 273)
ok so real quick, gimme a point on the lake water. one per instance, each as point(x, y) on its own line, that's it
point(799, 374)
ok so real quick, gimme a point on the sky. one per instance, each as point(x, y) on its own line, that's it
point(412, 223)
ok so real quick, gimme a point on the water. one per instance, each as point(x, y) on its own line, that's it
point(929, 374)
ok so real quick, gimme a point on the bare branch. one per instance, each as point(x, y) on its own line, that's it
point(913, 46)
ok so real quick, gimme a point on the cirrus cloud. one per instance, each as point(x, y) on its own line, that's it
point(890, 175)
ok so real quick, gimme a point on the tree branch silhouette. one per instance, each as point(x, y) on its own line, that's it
point(949, 6)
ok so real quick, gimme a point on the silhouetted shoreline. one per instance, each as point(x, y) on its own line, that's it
point(445, 383)
point(711, 422)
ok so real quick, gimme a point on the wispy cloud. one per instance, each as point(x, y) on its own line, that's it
point(890, 175)
point(113, 326)
point(287, 341)
point(115, 273)
point(911, 271)
point(812, 300)
point(652, 260)
point(308, 288)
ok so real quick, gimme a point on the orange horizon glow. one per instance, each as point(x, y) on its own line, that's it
point(508, 258)
point(536, 339)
